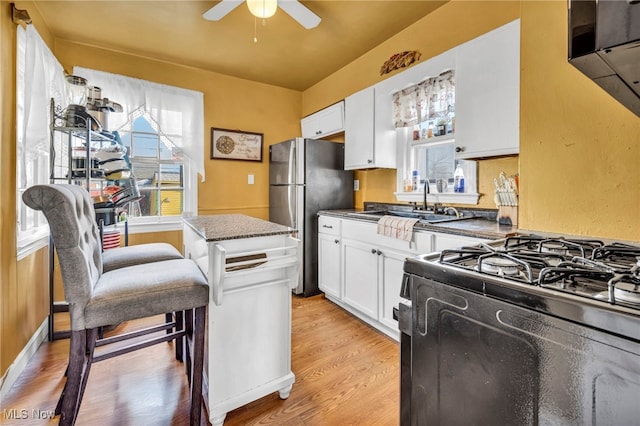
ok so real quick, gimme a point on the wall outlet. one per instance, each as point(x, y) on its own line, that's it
point(250, 179)
point(356, 185)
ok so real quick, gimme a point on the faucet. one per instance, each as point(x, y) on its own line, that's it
point(457, 213)
point(425, 191)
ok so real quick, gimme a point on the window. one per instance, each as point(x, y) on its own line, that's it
point(163, 129)
point(436, 163)
point(158, 168)
point(434, 160)
point(39, 78)
point(424, 117)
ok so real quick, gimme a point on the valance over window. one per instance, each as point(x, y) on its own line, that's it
point(432, 99)
point(177, 113)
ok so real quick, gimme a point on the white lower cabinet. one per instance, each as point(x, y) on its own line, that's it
point(392, 263)
point(329, 253)
point(361, 271)
point(361, 276)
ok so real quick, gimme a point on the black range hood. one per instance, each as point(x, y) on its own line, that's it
point(604, 43)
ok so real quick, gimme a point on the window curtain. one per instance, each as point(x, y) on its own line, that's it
point(431, 99)
point(178, 113)
point(40, 77)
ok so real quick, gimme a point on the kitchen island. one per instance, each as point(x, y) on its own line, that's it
point(251, 266)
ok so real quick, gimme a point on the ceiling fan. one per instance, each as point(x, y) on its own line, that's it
point(266, 9)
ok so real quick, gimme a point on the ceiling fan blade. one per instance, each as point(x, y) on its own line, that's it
point(218, 11)
point(300, 13)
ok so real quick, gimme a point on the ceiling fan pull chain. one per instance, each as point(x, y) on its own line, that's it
point(255, 30)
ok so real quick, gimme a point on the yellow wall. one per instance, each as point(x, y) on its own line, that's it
point(579, 148)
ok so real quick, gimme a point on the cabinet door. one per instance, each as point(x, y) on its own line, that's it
point(326, 122)
point(488, 94)
point(329, 265)
point(358, 130)
point(391, 264)
point(310, 126)
point(360, 265)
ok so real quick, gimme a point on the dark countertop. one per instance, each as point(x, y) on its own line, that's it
point(471, 227)
point(234, 226)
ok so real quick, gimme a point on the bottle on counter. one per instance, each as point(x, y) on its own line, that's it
point(415, 180)
point(458, 179)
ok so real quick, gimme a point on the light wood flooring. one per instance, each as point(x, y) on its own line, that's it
point(347, 373)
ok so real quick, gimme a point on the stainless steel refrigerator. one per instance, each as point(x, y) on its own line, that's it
point(306, 176)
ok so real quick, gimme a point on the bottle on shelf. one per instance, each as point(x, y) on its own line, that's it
point(415, 180)
point(458, 179)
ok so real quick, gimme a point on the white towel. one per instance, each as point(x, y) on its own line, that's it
point(396, 227)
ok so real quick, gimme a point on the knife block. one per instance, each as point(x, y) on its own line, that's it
point(508, 215)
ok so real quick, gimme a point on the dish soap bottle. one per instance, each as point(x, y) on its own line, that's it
point(458, 179)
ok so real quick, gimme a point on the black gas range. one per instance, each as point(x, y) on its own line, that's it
point(526, 330)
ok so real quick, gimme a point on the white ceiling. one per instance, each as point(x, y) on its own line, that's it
point(286, 54)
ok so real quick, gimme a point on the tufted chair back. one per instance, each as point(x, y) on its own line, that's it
point(69, 211)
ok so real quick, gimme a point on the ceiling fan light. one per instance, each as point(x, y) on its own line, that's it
point(262, 8)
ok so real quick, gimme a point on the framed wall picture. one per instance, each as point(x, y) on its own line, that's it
point(229, 144)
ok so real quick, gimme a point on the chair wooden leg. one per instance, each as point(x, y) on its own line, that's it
point(168, 317)
point(59, 404)
point(198, 337)
point(92, 335)
point(66, 371)
point(180, 341)
point(77, 357)
point(188, 355)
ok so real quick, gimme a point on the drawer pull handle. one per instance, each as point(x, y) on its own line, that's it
point(336, 241)
point(327, 226)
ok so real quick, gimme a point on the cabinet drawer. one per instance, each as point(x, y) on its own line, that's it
point(329, 225)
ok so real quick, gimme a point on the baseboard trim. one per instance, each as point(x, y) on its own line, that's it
point(23, 358)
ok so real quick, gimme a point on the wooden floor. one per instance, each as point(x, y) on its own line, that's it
point(347, 373)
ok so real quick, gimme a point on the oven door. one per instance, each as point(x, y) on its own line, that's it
point(481, 361)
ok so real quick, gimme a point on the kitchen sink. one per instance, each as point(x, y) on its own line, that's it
point(423, 217)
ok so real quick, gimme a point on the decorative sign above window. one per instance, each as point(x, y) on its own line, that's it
point(400, 60)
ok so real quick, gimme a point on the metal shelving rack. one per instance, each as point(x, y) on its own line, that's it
point(62, 140)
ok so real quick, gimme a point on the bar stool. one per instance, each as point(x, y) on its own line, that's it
point(97, 298)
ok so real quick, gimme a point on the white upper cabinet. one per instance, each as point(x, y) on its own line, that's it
point(488, 94)
point(325, 122)
point(369, 136)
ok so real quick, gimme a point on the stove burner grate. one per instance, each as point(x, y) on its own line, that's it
point(571, 272)
point(561, 246)
point(625, 288)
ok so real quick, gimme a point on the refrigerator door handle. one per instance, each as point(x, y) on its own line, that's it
point(293, 207)
point(292, 178)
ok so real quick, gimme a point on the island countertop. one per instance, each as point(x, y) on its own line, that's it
point(234, 226)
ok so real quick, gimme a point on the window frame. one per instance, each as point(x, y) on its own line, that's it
point(405, 154)
point(159, 222)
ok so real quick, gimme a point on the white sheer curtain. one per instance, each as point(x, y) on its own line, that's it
point(40, 77)
point(431, 99)
point(174, 110)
